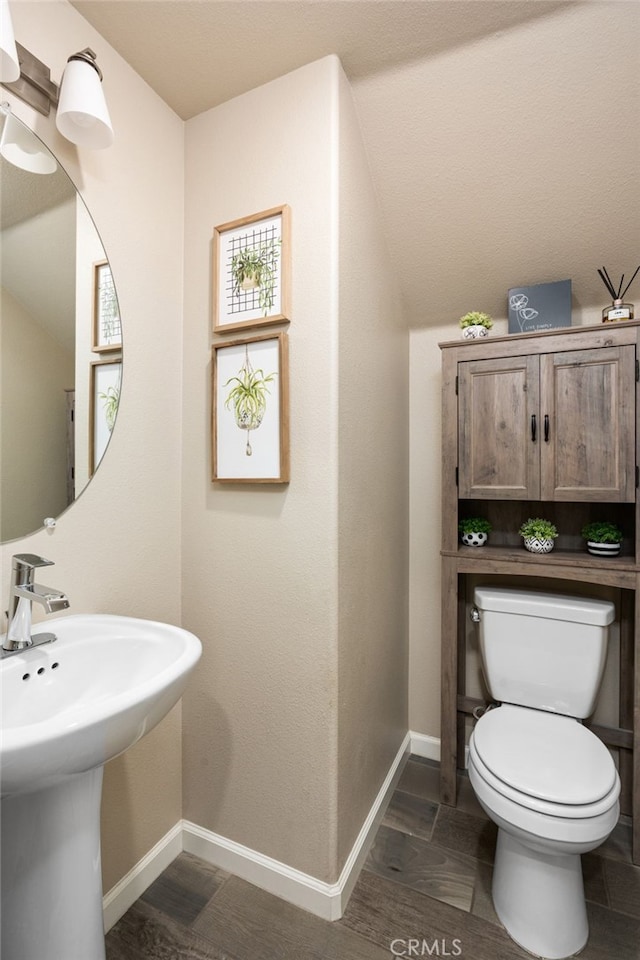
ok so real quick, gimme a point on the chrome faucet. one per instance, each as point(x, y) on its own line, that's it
point(22, 593)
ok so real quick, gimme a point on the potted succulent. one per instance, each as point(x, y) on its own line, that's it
point(475, 324)
point(255, 268)
point(603, 539)
point(538, 535)
point(474, 531)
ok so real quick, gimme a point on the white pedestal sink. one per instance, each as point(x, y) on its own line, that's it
point(67, 708)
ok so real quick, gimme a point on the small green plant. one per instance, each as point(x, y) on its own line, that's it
point(110, 405)
point(248, 397)
point(601, 532)
point(538, 528)
point(257, 267)
point(476, 319)
point(474, 525)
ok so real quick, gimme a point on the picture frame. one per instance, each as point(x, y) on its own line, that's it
point(107, 329)
point(105, 381)
point(252, 271)
point(543, 306)
point(250, 410)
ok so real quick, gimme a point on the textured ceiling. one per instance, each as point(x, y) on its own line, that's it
point(503, 136)
point(199, 53)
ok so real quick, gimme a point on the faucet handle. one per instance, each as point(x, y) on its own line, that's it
point(23, 565)
point(30, 561)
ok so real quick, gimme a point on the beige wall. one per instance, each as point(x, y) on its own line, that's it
point(373, 519)
point(260, 564)
point(300, 705)
point(118, 548)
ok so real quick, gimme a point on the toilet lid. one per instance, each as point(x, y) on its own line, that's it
point(544, 755)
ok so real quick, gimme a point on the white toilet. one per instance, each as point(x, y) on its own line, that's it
point(548, 783)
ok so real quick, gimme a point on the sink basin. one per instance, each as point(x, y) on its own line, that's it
point(73, 704)
point(67, 708)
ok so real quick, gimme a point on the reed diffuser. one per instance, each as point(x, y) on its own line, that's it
point(619, 310)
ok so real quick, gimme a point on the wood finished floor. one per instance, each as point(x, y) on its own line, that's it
point(427, 880)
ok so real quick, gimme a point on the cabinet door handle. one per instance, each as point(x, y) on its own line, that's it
point(546, 428)
point(533, 427)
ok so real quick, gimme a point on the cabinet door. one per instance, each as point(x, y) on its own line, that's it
point(499, 429)
point(589, 450)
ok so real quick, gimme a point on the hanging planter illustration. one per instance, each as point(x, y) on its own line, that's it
point(256, 268)
point(247, 398)
point(110, 400)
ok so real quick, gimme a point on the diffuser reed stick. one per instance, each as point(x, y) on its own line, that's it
point(618, 309)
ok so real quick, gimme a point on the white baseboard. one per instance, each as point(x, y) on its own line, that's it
point(365, 838)
point(429, 747)
point(117, 901)
point(323, 899)
point(425, 746)
point(326, 900)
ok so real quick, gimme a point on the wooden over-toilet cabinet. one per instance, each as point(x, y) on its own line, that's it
point(542, 424)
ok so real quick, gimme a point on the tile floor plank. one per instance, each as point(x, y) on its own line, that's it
point(463, 833)
point(258, 926)
point(612, 936)
point(410, 814)
point(432, 870)
point(623, 886)
point(184, 888)
point(145, 933)
point(391, 915)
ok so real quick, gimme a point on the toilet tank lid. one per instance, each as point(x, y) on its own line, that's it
point(552, 606)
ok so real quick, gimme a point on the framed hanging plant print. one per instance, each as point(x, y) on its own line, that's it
point(251, 270)
point(107, 331)
point(104, 398)
point(250, 410)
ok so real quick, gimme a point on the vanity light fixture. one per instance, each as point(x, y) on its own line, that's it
point(21, 147)
point(9, 64)
point(82, 115)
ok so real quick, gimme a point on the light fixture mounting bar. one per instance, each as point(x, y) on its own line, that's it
point(35, 85)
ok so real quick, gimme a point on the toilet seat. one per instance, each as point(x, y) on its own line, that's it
point(545, 762)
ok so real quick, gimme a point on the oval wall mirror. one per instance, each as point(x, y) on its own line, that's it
point(60, 336)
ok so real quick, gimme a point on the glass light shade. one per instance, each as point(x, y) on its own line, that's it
point(22, 148)
point(82, 115)
point(9, 63)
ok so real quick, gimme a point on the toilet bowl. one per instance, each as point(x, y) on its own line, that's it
point(551, 787)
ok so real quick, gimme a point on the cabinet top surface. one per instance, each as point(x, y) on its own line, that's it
point(622, 331)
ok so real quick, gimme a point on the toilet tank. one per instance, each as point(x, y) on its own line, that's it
point(543, 650)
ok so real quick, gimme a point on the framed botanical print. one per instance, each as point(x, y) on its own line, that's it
point(251, 271)
point(107, 331)
point(104, 399)
point(250, 410)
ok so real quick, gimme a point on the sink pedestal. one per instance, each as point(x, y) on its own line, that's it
point(51, 883)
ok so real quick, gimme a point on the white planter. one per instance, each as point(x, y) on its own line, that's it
point(535, 545)
point(474, 332)
point(603, 549)
point(474, 539)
